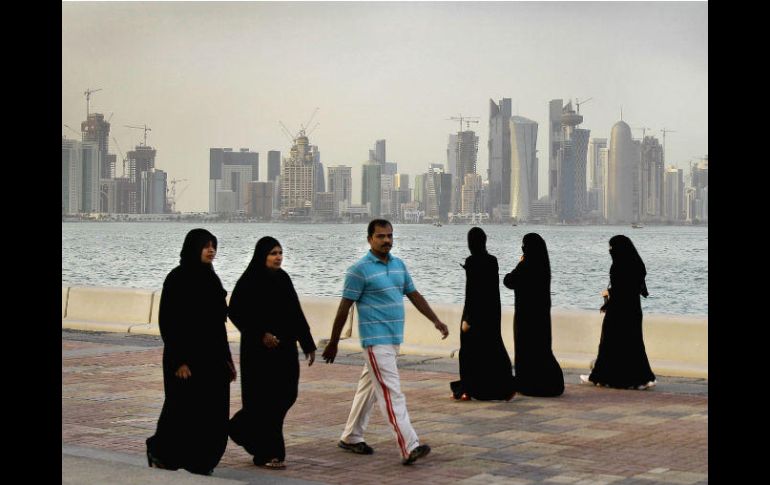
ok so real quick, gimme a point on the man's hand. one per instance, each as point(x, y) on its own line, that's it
point(441, 328)
point(330, 352)
point(183, 372)
point(465, 327)
point(310, 357)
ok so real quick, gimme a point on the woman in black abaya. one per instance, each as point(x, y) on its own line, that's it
point(266, 309)
point(622, 360)
point(197, 365)
point(537, 371)
point(485, 368)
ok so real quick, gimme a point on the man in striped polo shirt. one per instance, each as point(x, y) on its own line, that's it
point(377, 284)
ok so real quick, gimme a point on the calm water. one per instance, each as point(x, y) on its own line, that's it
point(139, 255)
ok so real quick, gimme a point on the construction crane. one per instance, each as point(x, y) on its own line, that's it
point(664, 131)
point(578, 103)
point(72, 129)
point(286, 131)
point(171, 193)
point(145, 128)
point(311, 130)
point(88, 92)
point(644, 130)
point(303, 127)
point(120, 152)
point(467, 119)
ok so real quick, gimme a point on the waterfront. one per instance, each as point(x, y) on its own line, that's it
point(139, 255)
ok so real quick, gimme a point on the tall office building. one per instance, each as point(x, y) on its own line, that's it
point(229, 176)
point(499, 146)
point(699, 181)
point(673, 192)
point(621, 174)
point(471, 191)
point(297, 179)
point(371, 178)
point(419, 189)
point(389, 210)
point(90, 159)
point(71, 176)
point(379, 152)
point(273, 165)
point(319, 184)
point(260, 204)
point(96, 130)
point(555, 109)
point(571, 156)
point(597, 159)
point(341, 185)
point(651, 180)
point(152, 190)
point(462, 155)
point(523, 166)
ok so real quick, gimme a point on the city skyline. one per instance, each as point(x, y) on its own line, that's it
point(206, 75)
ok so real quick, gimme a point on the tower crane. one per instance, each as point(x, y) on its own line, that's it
point(286, 131)
point(303, 127)
point(578, 103)
point(172, 197)
point(72, 129)
point(145, 128)
point(467, 119)
point(120, 152)
point(311, 130)
point(88, 92)
point(664, 131)
point(644, 130)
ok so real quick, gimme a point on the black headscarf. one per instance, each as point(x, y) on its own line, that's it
point(257, 264)
point(626, 261)
point(536, 254)
point(477, 241)
point(193, 245)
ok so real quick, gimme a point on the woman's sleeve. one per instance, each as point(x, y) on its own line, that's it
point(173, 318)
point(511, 280)
point(242, 310)
point(304, 336)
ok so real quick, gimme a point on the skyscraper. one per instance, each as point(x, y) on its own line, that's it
point(297, 179)
point(379, 152)
point(153, 184)
point(555, 108)
point(673, 192)
point(71, 176)
point(499, 146)
point(597, 159)
point(341, 185)
point(273, 165)
point(96, 130)
point(651, 180)
point(371, 178)
point(570, 193)
point(523, 166)
point(621, 172)
point(229, 176)
point(462, 155)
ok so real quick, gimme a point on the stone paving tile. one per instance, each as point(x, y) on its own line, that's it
point(112, 395)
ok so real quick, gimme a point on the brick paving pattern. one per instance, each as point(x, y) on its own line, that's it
point(112, 396)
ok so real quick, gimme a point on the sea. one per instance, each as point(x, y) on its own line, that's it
point(316, 256)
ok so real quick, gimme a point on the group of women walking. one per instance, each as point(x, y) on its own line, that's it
point(194, 423)
point(485, 368)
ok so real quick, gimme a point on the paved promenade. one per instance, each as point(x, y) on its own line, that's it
point(112, 393)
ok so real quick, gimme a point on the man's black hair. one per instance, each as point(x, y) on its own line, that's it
point(377, 222)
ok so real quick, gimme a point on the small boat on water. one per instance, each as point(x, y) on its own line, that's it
point(437, 224)
point(637, 225)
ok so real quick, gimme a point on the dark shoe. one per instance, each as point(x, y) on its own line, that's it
point(416, 453)
point(360, 448)
point(154, 462)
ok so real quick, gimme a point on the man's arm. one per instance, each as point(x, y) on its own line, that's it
point(419, 302)
point(330, 352)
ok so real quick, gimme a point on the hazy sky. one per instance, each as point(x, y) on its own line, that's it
point(217, 74)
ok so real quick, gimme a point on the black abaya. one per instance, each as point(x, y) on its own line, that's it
point(485, 367)
point(265, 301)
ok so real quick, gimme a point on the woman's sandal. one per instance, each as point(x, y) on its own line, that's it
point(274, 464)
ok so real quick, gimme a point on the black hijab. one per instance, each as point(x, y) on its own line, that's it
point(257, 266)
point(477, 241)
point(194, 242)
point(626, 261)
point(536, 254)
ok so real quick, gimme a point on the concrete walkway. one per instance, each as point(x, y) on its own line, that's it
point(112, 392)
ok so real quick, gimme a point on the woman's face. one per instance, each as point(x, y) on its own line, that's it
point(274, 258)
point(209, 253)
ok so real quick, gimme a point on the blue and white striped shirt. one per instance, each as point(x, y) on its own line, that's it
point(378, 289)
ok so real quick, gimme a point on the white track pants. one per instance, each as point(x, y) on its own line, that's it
point(379, 382)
